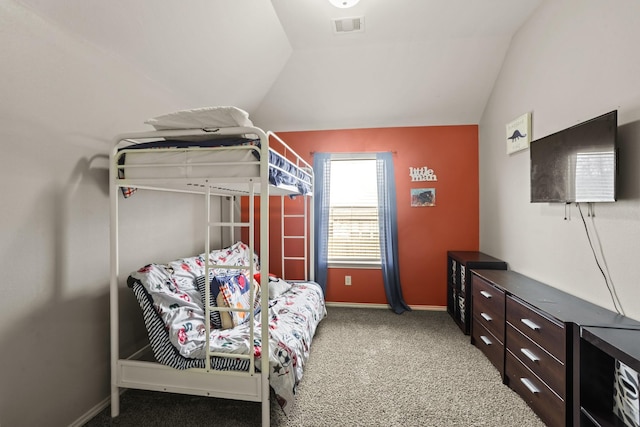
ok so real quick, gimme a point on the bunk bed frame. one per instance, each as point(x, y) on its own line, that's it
point(140, 372)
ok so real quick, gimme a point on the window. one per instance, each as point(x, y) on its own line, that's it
point(354, 236)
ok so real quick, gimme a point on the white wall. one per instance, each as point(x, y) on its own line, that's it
point(572, 61)
point(206, 52)
point(62, 101)
point(374, 85)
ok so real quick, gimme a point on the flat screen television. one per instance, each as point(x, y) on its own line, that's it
point(577, 164)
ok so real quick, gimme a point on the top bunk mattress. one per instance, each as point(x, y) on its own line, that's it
point(225, 163)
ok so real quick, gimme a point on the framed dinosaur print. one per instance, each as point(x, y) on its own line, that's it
point(519, 133)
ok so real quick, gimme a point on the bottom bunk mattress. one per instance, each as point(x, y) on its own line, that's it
point(171, 296)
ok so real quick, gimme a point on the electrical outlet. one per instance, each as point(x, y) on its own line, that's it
point(347, 280)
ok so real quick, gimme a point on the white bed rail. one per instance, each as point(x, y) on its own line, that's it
point(307, 216)
point(191, 172)
point(300, 162)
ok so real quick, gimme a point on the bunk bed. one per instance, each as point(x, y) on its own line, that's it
point(215, 152)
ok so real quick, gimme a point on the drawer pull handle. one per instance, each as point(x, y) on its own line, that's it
point(530, 324)
point(530, 354)
point(486, 340)
point(485, 294)
point(528, 384)
point(486, 317)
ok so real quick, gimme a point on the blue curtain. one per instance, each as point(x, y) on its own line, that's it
point(388, 221)
point(321, 171)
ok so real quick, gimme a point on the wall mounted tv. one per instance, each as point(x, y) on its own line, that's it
point(577, 164)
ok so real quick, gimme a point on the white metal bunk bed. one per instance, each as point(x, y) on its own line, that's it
point(206, 170)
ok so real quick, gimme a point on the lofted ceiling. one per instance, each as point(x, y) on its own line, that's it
point(414, 63)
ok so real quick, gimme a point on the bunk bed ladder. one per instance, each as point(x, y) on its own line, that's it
point(264, 338)
point(285, 237)
point(231, 224)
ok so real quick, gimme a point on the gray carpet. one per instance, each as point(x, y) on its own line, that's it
point(368, 367)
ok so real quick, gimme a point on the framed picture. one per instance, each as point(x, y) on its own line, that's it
point(423, 197)
point(519, 133)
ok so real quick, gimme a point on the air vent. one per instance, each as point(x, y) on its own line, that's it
point(348, 25)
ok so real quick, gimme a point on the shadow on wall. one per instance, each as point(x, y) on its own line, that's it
point(55, 352)
point(628, 160)
point(88, 174)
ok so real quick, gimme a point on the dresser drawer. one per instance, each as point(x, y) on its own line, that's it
point(547, 333)
point(488, 306)
point(491, 346)
point(544, 402)
point(545, 366)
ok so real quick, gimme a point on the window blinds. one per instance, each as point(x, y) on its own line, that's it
point(354, 235)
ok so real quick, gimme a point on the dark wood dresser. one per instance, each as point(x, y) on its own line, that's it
point(531, 333)
point(489, 321)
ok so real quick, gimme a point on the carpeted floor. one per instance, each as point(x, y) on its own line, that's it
point(368, 367)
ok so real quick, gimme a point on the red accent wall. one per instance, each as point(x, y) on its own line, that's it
point(425, 234)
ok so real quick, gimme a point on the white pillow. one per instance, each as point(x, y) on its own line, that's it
point(277, 287)
point(200, 118)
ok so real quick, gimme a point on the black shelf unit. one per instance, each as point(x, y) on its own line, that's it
point(600, 347)
point(459, 266)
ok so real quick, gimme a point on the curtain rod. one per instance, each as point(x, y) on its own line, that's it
point(356, 154)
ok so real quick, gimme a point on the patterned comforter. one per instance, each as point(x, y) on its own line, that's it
point(172, 305)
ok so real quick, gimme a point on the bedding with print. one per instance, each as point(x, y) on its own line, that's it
point(172, 295)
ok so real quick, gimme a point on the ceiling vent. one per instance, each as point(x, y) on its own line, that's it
point(348, 25)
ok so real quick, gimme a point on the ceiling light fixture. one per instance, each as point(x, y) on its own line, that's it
point(343, 4)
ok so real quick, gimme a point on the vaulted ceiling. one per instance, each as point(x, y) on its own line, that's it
point(413, 63)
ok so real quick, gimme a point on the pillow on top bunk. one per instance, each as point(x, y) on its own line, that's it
point(201, 118)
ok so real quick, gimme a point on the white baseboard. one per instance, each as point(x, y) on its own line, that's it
point(355, 305)
point(91, 413)
point(429, 307)
point(384, 306)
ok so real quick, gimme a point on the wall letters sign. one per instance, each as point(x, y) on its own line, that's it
point(422, 174)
